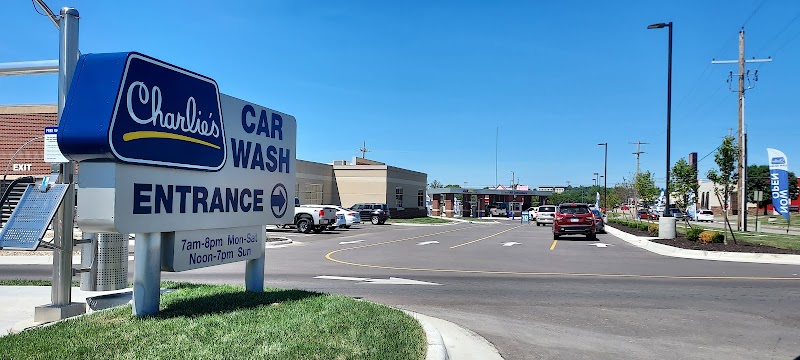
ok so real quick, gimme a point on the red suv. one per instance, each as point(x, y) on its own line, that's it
point(574, 219)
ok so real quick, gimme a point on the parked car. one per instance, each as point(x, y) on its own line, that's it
point(646, 215)
point(599, 223)
point(545, 214)
point(377, 213)
point(351, 217)
point(794, 208)
point(677, 214)
point(573, 219)
point(704, 215)
point(532, 211)
point(316, 218)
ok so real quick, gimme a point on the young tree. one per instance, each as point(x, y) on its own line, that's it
point(435, 185)
point(683, 182)
point(646, 186)
point(758, 179)
point(726, 177)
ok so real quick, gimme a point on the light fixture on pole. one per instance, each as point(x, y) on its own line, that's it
point(596, 179)
point(669, 106)
point(605, 176)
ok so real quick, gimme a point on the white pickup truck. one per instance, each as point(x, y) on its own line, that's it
point(316, 218)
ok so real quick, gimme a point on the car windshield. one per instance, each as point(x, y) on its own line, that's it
point(574, 210)
point(597, 212)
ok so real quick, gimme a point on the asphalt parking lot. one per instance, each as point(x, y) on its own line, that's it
point(534, 298)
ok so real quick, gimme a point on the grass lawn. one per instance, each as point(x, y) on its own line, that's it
point(778, 220)
point(225, 322)
point(777, 240)
point(422, 220)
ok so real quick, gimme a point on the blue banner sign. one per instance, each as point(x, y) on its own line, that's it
point(779, 181)
point(154, 113)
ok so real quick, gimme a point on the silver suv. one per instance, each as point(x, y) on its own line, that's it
point(545, 214)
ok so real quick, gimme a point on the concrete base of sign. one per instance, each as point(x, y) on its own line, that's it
point(666, 228)
point(147, 274)
point(254, 270)
point(254, 275)
point(49, 313)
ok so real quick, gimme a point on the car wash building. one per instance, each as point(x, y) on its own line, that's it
point(484, 202)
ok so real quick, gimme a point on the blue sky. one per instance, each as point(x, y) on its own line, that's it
point(429, 84)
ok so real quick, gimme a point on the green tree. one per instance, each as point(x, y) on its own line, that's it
point(758, 179)
point(683, 183)
point(435, 185)
point(726, 177)
point(645, 186)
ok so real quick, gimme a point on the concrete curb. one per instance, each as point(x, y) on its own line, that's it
point(410, 224)
point(457, 342)
point(666, 250)
point(282, 241)
point(436, 348)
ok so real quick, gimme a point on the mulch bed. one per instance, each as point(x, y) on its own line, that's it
point(681, 242)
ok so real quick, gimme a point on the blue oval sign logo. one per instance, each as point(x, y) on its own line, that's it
point(167, 116)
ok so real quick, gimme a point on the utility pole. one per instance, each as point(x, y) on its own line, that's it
point(636, 191)
point(741, 185)
point(363, 150)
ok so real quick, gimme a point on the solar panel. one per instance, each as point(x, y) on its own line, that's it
point(28, 223)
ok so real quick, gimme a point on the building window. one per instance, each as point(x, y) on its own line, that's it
point(398, 196)
point(420, 198)
point(311, 194)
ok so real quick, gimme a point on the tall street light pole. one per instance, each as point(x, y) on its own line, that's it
point(669, 106)
point(605, 176)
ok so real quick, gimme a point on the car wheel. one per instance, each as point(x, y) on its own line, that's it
point(347, 226)
point(304, 226)
point(591, 236)
point(375, 220)
point(381, 222)
point(318, 229)
point(556, 237)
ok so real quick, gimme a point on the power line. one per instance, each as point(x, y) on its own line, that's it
point(754, 12)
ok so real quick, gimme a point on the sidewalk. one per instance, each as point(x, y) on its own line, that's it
point(666, 250)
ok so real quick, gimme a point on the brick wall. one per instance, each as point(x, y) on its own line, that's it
point(18, 125)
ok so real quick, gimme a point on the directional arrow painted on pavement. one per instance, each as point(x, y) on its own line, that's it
point(600, 245)
point(511, 243)
point(399, 281)
point(350, 242)
point(428, 242)
point(389, 281)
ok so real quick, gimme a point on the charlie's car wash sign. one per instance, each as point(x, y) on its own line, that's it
point(161, 150)
point(201, 248)
point(157, 121)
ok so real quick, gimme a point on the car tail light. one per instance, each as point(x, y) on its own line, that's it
point(589, 219)
point(321, 212)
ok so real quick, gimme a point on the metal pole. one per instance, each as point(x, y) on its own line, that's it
point(741, 219)
point(669, 117)
point(605, 178)
point(29, 67)
point(147, 272)
point(50, 14)
point(61, 293)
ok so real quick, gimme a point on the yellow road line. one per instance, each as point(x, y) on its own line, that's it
point(329, 256)
point(484, 238)
point(554, 244)
point(399, 240)
point(495, 272)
